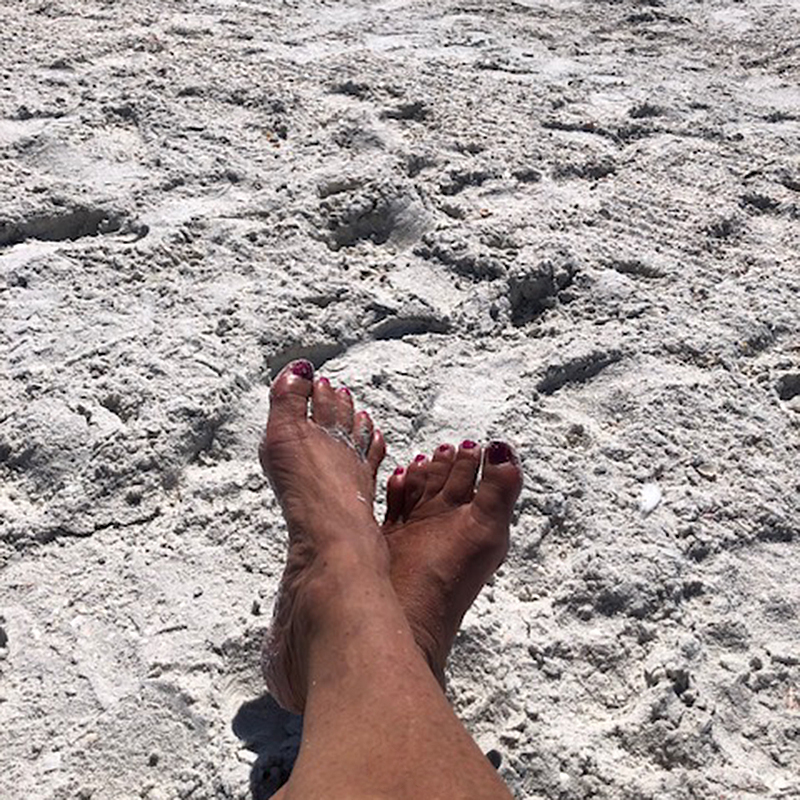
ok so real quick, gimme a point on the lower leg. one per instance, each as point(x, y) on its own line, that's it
point(355, 634)
point(377, 723)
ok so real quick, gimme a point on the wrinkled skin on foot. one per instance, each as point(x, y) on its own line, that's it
point(446, 532)
point(322, 467)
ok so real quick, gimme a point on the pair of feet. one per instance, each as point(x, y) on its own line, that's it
point(442, 538)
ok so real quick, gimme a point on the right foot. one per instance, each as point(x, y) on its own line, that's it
point(446, 537)
point(322, 467)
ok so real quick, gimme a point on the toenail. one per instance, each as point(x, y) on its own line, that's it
point(345, 390)
point(443, 448)
point(399, 470)
point(303, 368)
point(419, 458)
point(324, 382)
point(499, 453)
point(468, 444)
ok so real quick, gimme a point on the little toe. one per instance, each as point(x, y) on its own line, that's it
point(416, 478)
point(323, 403)
point(500, 485)
point(344, 410)
point(362, 433)
point(395, 494)
point(439, 470)
point(459, 487)
point(376, 452)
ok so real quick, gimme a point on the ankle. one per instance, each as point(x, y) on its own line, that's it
point(358, 556)
point(341, 576)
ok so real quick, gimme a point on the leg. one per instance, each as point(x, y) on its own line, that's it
point(377, 723)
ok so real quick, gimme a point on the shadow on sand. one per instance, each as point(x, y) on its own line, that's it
point(274, 735)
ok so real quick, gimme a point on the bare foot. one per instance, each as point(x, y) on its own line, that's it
point(446, 537)
point(322, 468)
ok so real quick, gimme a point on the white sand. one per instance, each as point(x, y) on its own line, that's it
point(572, 224)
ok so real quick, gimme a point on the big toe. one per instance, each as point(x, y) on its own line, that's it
point(500, 484)
point(288, 404)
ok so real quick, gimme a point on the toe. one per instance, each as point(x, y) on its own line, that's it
point(293, 386)
point(344, 410)
point(395, 493)
point(289, 393)
point(288, 406)
point(416, 478)
point(323, 403)
point(460, 484)
point(501, 482)
point(376, 452)
point(362, 433)
point(439, 470)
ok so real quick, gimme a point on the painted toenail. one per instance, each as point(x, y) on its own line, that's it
point(324, 382)
point(499, 453)
point(419, 458)
point(345, 390)
point(399, 470)
point(443, 448)
point(468, 444)
point(303, 368)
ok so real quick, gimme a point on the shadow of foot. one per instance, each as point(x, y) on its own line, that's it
point(274, 735)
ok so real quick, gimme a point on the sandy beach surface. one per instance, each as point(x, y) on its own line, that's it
point(572, 224)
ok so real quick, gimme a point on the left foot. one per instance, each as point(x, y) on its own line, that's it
point(447, 533)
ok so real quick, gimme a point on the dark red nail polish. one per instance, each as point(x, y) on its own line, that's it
point(468, 444)
point(303, 368)
point(419, 458)
point(499, 453)
point(443, 448)
point(345, 390)
point(324, 382)
point(399, 470)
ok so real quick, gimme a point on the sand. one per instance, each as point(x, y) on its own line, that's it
point(571, 224)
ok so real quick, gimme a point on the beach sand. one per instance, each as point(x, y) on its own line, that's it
point(571, 224)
